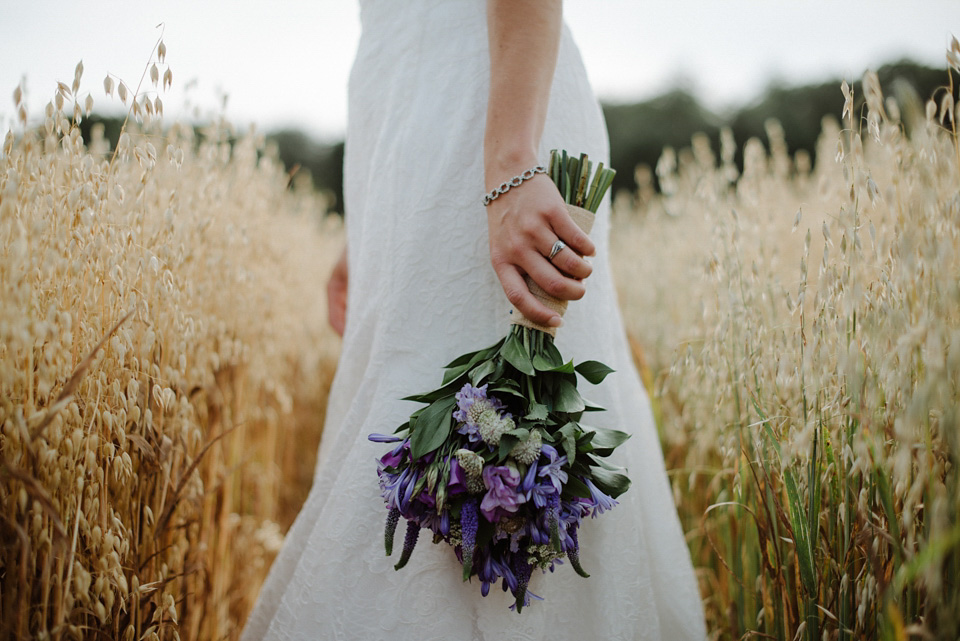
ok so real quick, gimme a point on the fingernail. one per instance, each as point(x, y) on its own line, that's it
point(556, 321)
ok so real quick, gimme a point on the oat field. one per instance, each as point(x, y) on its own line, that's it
point(165, 359)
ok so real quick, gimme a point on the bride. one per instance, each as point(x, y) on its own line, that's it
point(447, 100)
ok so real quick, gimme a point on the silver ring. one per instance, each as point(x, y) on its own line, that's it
point(557, 246)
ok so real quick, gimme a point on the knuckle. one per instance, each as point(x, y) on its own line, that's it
point(555, 287)
point(528, 226)
point(571, 265)
point(514, 295)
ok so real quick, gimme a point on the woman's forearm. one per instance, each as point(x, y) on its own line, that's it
point(525, 223)
point(524, 39)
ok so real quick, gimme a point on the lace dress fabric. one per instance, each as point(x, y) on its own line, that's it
point(421, 292)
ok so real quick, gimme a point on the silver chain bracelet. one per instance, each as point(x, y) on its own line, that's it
point(516, 181)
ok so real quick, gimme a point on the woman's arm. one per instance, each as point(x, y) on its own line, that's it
point(525, 222)
point(337, 294)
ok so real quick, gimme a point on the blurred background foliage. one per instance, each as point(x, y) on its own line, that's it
point(639, 131)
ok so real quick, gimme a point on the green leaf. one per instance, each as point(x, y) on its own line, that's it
point(507, 442)
point(512, 391)
point(463, 359)
point(606, 440)
point(481, 371)
point(537, 412)
point(432, 427)
point(562, 368)
point(477, 356)
point(612, 483)
point(541, 363)
point(448, 390)
point(801, 537)
point(590, 406)
point(514, 353)
point(454, 373)
point(575, 488)
point(568, 440)
point(594, 371)
point(568, 399)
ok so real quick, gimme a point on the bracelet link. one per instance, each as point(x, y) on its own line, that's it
point(516, 181)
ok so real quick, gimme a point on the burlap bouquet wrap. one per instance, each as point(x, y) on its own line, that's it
point(584, 220)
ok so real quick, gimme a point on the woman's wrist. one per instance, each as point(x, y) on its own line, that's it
point(502, 165)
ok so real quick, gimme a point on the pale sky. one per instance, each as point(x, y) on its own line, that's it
point(286, 62)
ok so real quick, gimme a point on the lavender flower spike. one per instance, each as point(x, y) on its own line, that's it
point(573, 554)
point(522, 568)
point(409, 542)
point(392, 518)
point(469, 521)
point(553, 519)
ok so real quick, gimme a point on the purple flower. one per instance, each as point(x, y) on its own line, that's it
point(501, 498)
point(471, 403)
point(395, 456)
point(601, 502)
point(553, 519)
point(458, 478)
point(437, 523)
point(426, 498)
point(409, 542)
point(384, 438)
point(552, 470)
point(392, 486)
point(393, 517)
point(539, 493)
point(469, 521)
point(472, 432)
point(522, 569)
point(573, 553)
point(466, 397)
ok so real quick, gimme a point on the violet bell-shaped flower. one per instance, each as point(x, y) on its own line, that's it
point(501, 498)
point(601, 502)
point(553, 469)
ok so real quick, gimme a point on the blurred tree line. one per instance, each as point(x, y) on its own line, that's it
point(639, 131)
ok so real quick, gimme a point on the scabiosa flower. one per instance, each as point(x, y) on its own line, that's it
point(469, 521)
point(492, 426)
point(467, 397)
point(472, 464)
point(472, 402)
point(529, 450)
point(601, 502)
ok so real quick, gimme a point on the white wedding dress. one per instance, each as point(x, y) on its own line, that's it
point(421, 292)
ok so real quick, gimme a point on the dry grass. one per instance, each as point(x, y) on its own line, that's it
point(805, 328)
point(163, 366)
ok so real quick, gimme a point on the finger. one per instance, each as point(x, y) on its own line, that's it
point(551, 280)
point(568, 262)
point(523, 301)
point(572, 235)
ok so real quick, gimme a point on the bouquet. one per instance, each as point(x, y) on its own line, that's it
point(497, 463)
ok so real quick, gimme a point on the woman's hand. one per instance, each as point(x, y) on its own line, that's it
point(337, 295)
point(524, 224)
